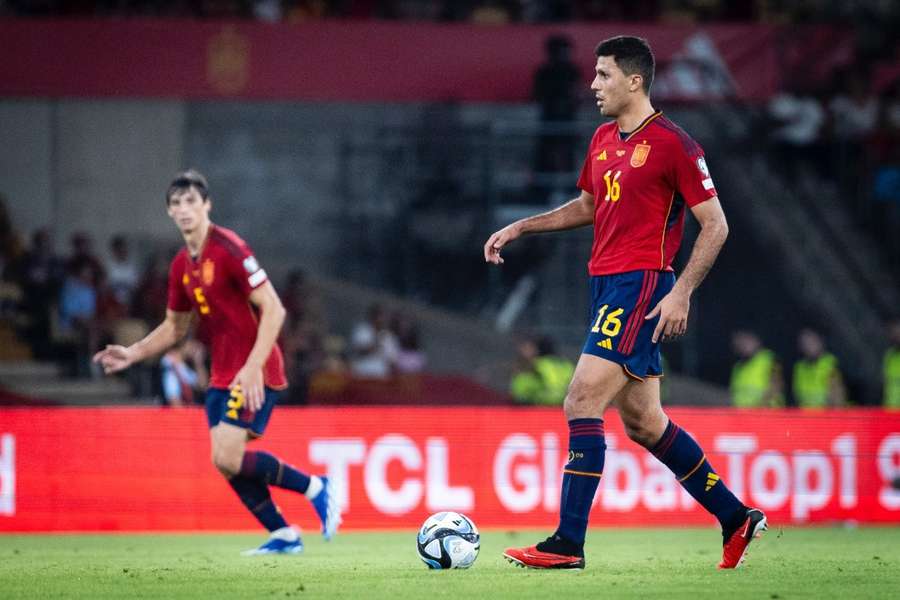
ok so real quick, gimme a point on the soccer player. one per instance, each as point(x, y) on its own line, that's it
point(217, 278)
point(640, 172)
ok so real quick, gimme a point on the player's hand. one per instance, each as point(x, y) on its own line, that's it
point(114, 358)
point(250, 380)
point(499, 239)
point(673, 314)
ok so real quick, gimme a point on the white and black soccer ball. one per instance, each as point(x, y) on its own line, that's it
point(448, 540)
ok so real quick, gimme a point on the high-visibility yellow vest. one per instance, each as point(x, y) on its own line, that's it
point(892, 378)
point(751, 378)
point(546, 383)
point(812, 380)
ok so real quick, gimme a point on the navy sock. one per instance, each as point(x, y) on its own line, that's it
point(581, 476)
point(264, 466)
point(677, 450)
point(255, 496)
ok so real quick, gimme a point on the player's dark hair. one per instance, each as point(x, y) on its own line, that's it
point(184, 181)
point(632, 54)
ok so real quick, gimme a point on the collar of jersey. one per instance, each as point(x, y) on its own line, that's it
point(643, 124)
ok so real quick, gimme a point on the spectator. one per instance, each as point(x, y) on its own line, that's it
point(817, 380)
point(410, 356)
point(555, 89)
point(11, 249)
point(83, 255)
point(756, 378)
point(542, 377)
point(184, 373)
point(122, 271)
point(78, 316)
point(891, 368)
point(154, 285)
point(373, 346)
point(41, 272)
point(799, 120)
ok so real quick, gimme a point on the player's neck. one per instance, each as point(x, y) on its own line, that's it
point(194, 239)
point(631, 118)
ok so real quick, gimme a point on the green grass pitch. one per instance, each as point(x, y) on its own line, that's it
point(626, 563)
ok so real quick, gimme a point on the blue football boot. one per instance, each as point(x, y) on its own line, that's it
point(281, 541)
point(328, 509)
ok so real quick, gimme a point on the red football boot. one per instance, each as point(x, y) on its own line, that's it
point(553, 553)
point(735, 543)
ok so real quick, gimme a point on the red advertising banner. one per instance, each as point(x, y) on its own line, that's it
point(360, 61)
point(145, 469)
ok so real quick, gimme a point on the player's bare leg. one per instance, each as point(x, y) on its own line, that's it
point(641, 411)
point(595, 384)
point(235, 462)
point(229, 442)
point(647, 424)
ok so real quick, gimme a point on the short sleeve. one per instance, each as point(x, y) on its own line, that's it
point(586, 179)
point(246, 270)
point(178, 299)
point(692, 178)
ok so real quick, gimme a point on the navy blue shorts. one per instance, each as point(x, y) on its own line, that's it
point(618, 330)
point(227, 406)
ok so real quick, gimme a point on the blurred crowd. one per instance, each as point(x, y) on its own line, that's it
point(478, 11)
point(63, 308)
point(848, 132)
point(758, 379)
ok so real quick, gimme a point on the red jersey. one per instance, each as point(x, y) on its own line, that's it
point(217, 286)
point(640, 185)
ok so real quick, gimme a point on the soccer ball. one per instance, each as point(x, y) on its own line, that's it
point(448, 540)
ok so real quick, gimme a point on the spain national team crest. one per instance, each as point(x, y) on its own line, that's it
point(640, 154)
point(209, 272)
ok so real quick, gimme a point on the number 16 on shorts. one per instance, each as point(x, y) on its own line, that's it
point(607, 323)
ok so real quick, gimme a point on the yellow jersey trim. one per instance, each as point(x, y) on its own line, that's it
point(644, 124)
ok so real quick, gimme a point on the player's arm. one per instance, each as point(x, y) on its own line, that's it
point(175, 326)
point(674, 307)
point(272, 313)
point(575, 213)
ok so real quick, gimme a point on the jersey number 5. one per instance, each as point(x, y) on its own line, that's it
point(202, 304)
point(613, 187)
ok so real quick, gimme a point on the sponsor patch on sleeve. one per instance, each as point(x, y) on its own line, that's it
point(251, 265)
point(701, 164)
point(708, 183)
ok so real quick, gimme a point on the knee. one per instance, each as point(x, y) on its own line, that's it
point(582, 401)
point(645, 430)
point(639, 433)
point(227, 463)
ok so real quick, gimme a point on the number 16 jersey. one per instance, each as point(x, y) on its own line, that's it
point(640, 185)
